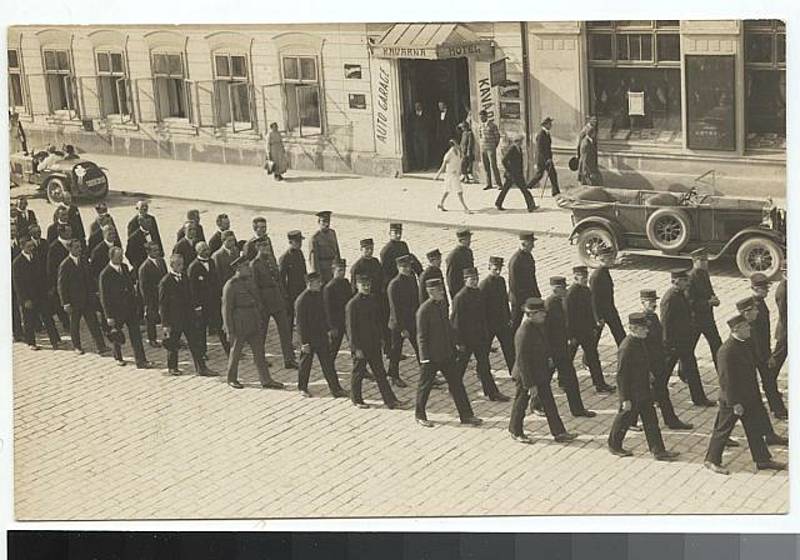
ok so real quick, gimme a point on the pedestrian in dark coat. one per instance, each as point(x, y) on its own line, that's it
point(313, 332)
point(602, 288)
point(31, 294)
point(740, 399)
point(762, 344)
point(588, 167)
point(497, 313)
point(433, 270)
point(421, 127)
point(186, 246)
point(335, 295)
point(119, 302)
point(224, 256)
point(292, 266)
point(514, 176)
point(635, 396)
point(445, 129)
point(324, 247)
point(151, 272)
point(206, 289)
point(135, 250)
point(437, 352)
point(544, 158)
point(215, 241)
point(702, 301)
point(781, 350)
point(467, 152)
point(403, 295)
point(459, 259)
point(522, 282)
point(192, 216)
point(143, 214)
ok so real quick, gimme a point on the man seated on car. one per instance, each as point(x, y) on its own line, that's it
point(52, 157)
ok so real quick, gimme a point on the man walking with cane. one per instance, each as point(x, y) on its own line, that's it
point(544, 158)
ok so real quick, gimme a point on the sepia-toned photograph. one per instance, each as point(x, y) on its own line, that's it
point(390, 270)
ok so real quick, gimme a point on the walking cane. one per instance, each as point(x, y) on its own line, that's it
point(544, 183)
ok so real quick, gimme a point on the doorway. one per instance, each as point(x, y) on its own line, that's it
point(428, 82)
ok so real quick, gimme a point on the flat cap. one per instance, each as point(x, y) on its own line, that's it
point(637, 319)
point(581, 269)
point(295, 235)
point(759, 279)
point(463, 232)
point(534, 304)
point(434, 283)
point(496, 261)
point(312, 276)
point(558, 281)
point(527, 236)
point(324, 214)
point(369, 242)
point(404, 260)
point(735, 321)
point(435, 254)
point(395, 226)
point(744, 304)
point(648, 294)
point(470, 271)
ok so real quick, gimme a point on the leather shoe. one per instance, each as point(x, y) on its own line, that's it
point(398, 382)
point(499, 397)
point(272, 384)
point(472, 421)
point(121, 362)
point(291, 365)
point(175, 371)
point(775, 439)
point(771, 466)
point(340, 393)
point(488, 187)
point(620, 452)
point(397, 404)
point(732, 443)
point(678, 425)
point(305, 393)
point(565, 437)
point(665, 455)
point(605, 388)
point(706, 403)
point(205, 372)
point(719, 469)
point(424, 422)
point(34, 347)
point(500, 208)
point(586, 414)
point(521, 438)
point(79, 351)
point(361, 405)
point(145, 365)
point(235, 384)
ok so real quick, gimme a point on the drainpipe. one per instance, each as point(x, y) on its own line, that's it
point(526, 78)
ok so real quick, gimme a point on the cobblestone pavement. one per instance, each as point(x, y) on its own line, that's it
point(98, 441)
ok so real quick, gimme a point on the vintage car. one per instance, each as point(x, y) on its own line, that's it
point(79, 177)
point(674, 224)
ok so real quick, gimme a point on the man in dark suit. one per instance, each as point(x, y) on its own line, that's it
point(74, 291)
point(544, 158)
point(22, 217)
point(102, 218)
point(522, 283)
point(178, 317)
point(459, 259)
point(224, 256)
point(421, 132)
point(740, 399)
point(532, 372)
point(31, 294)
point(437, 352)
point(60, 219)
point(762, 344)
point(259, 235)
point(781, 350)
point(223, 224)
point(702, 301)
point(151, 272)
point(192, 216)
point(142, 210)
point(497, 313)
point(403, 294)
point(135, 250)
point(602, 289)
point(57, 251)
point(635, 396)
point(68, 211)
point(445, 129)
point(185, 247)
point(312, 330)
point(433, 270)
point(514, 176)
point(40, 250)
point(335, 295)
point(118, 298)
point(206, 290)
point(292, 266)
point(16, 315)
point(97, 263)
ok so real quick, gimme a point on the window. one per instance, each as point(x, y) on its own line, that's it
point(113, 85)
point(59, 80)
point(232, 92)
point(171, 90)
point(301, 88)
point(15, 97)
point(710, 110)
point(765, 84)
point(635, 82)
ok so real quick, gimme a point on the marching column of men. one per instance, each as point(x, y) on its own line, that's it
point(232, 289)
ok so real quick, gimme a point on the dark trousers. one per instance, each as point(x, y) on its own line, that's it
point(33, 317)
point(151, 321)
point(489, 159)
point(520, 404)
point(373, 359)
point(16, 318)
point(769, 384)
point(284, 333)
point(708, 328)
point(173, 342)
point(397, 349)
point(482, 367)
point(290, 312)
point(551, 174)
point(88, 315)
point(421, 151)
point(615, 325)
point(208, 324)
point(506, 338)
point(454, 384)
point(660, 388)
point(588, 343)
point(135, 337)
point(57, 309)
point(336, 343)
point(779, 354)
point(723, 426)
point(683, 353)
point(568, 379)
point(323, 352)
point(518, 182)
point(256, 343)
point(624, 419)
point(386, 332)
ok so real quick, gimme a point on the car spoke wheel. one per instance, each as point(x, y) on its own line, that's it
point(668, 229)
point(56, 190)
point(759, 254)
point(590, 241)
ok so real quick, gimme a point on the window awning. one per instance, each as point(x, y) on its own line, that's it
point(432, 41)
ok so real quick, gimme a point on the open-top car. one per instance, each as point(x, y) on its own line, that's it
point(674, 224)
point(78, 177)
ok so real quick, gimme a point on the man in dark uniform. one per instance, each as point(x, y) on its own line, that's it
point(403, 296)
point(223, 224)
point(421, 132)
point(635, 397)
point(74, 291)
point(335, 295)
point(676, 318)
point(497, 314)
point(702, 301)
point(433, 270)
point(602, 289)
point(739, 400)
point(224, 256)
point(394, 248)
point(324, 248)
point(292, 266)
point(437, 352)
point(514, 176)
point(178, 317)
point(193, 217)
point(459, 259)
point(781, 350)
point(472, 335)
point(532, 373)
point(29, 286)
point(57, 251)
point(762, 344)
point(368, 265)
point(582, 325)
point(243, 322)
point(312, 330)
point(135, 250)
point(364, 333)
point(185, 246)
point(151, 271)
point(206, 290)
point(119, 302)
point(142, 210)
point(522, 282)
point(544, 158)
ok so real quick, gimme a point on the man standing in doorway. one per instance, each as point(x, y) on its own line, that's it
point(445, 129)
point(489, 139)
point(544, 158)
point(420, 125)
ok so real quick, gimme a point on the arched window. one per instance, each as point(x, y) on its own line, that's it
point(114, 93)
point(173, 91)
point(59, 74)
point(300, 63)
point(234, 97)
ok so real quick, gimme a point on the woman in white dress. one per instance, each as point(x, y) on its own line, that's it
point(451, 167)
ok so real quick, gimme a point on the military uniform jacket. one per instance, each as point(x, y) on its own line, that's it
point(522, 282)
point(556, 324)
point(363, 328)
point(531, 367)
point(781, 302)
point(241, 308)
point(185, 248)
point(56, 254)
point(312, 327)
point(676, 318)
point(205, 286)
point(633, 368)
point(429, 273)
point(469, 318)
point(175, 303)
point(74, 283)
point(267, 280)
point(737, 374)
point(368, 266)
point(292, 266)
point(117, 294)
point(459, 258)
point(495, 297)
point(601, 287)
point(151, 273)
point(324, 249)
point(222, 260)
point(135, 250)
point(435, 336)
point(403, 295)
point(655, 343)
point(760, 336)
point(335, 295)
point(699, 292)
point(581, 320)
point(389, 254)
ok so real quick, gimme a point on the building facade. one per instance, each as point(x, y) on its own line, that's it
point(675, 100)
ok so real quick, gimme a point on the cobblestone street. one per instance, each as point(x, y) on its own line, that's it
point(98, 441)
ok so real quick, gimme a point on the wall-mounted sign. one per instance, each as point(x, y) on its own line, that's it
point(510, 110)
point(635, 103)
point(498, 72)
point(352, 71)
point(357, 100)
point(479, 49)
point(509, 90)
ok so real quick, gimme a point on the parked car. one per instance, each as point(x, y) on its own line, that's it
point(674, 224)
point(81, 178)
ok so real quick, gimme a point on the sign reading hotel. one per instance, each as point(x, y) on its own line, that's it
point(480, 49)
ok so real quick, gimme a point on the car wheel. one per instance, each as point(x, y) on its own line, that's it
point(759, 254)
point(590, 241)
point(56, 190)
point(668, 229)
